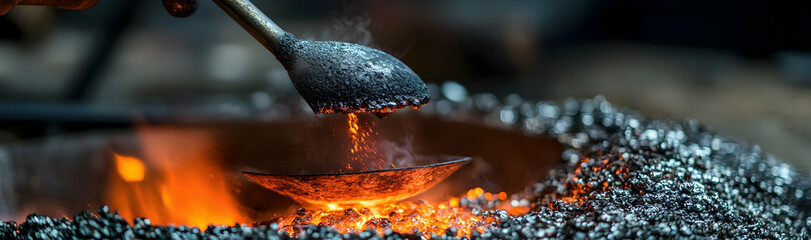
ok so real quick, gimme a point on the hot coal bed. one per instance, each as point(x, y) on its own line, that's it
point(621, 176)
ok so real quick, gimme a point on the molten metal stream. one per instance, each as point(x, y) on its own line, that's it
point(363, 154)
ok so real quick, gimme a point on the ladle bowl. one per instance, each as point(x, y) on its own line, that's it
point(366, 188)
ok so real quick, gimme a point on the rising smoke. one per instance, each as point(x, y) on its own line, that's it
point(349, 24)
point(399, 154)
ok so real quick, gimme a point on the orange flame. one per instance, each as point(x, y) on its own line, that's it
point(363, 153)
point(130, 168)
point(174, 185)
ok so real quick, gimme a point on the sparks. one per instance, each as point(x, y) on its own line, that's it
point(363, 152)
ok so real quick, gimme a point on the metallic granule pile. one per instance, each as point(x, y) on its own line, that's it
point(622, 177)
point(627, 177)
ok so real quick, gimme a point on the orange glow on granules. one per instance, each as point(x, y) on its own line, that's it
point(404, 217)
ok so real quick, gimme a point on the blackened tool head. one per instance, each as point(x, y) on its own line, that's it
point(339, 77)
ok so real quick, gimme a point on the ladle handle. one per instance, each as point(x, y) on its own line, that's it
point(254, 21)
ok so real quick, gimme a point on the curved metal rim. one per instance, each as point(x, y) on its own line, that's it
point(460, 160)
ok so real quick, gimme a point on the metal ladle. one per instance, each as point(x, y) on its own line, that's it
point(334, 77)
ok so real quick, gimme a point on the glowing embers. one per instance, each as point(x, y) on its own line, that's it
point(580, 184)
point(364, 154)
point(173, 184)
point(407, 217)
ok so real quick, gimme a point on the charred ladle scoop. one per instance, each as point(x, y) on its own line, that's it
point(334, 77)
point(366, 188)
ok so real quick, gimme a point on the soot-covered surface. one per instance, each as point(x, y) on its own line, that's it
point(338, 77)
point(621, 176)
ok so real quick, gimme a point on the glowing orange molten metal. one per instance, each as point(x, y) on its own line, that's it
point(174, 185)
point(363, 152)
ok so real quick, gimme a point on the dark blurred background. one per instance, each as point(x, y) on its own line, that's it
point(741, 67)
